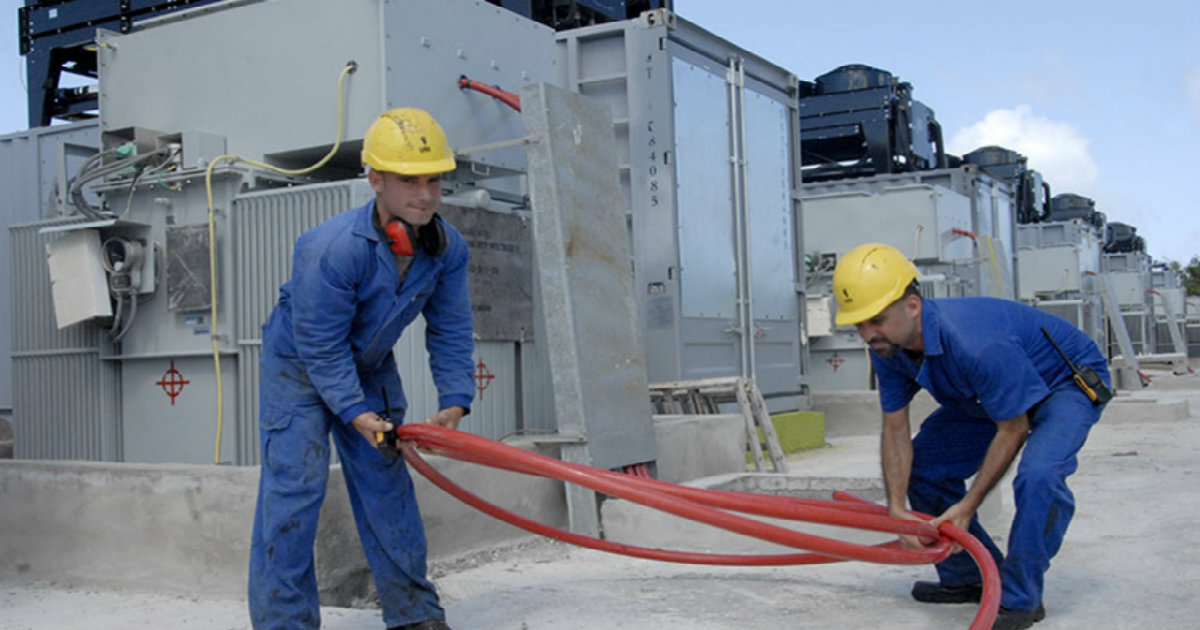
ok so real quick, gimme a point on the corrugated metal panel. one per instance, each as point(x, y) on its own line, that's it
point(30, 165)
point(537, 393)
point(65, 398)
point(66, 407)
point(265, 226)
point(247, 451)
point(494, 412)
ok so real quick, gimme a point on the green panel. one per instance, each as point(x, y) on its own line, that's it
point(797, 431)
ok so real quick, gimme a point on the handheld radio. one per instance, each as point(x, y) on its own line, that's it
point(1084, 376)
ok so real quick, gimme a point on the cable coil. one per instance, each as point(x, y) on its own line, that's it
point(706, 506)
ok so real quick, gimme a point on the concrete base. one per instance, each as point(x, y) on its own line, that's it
point(1177, 362)
point(1144, 409)
point(1125, 379)
point(186, 529)
point(691, 447)
point(858, 413)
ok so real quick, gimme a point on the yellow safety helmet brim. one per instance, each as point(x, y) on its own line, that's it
point(407, 141)
point(867, 279)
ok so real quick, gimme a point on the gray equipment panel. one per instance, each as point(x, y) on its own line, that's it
point(501, 271)
point(710, 161)
point(704, 192)
point(169, 75)
point(189, 283)
point(168, 406)
point(918, 220)
point(597, 361)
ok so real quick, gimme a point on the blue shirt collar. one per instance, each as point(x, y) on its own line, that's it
point(931, 328)
point(364, 224)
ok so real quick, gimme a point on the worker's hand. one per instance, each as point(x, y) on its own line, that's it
point(368, 423)
point(448, 417)
point(909, 541)
point(957, 514)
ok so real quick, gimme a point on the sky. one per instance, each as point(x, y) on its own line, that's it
point(1102, 96)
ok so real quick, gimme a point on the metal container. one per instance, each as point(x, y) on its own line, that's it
point(167, 75)
point(969, 223)
point(708, 143)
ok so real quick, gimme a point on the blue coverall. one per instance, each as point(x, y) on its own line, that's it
point(326, 357)
point(986, 360)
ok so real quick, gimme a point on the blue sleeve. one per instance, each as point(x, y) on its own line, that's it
point(450, 330)
point(323, 310)
point(896, 389)
point(1005, 380)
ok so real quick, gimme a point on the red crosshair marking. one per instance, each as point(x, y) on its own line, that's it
point(836, 361)
point(172, 382)
point(483, 378)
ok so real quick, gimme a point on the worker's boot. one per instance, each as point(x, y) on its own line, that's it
point(428, 624)
point(936, 593)
point(1009, 619)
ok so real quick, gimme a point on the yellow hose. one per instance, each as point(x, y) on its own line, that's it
point(212, 240)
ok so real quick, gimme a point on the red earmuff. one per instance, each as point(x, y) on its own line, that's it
point(431, 237)
point(402, 237)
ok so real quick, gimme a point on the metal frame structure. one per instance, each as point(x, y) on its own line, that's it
point(58, 36)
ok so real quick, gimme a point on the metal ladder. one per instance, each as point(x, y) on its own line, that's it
point(1176, 330)
point(705, 396)
point(1116, 322)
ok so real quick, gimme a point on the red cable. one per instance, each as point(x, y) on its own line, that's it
point(701, 505)
point(508, 98)
point(962, 232)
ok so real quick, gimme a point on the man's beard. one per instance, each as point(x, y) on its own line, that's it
point(888, 352)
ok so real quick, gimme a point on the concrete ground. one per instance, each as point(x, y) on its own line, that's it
point(1131, 560)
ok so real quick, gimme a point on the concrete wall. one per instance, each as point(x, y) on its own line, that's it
point(186, 529)
point(691, 447)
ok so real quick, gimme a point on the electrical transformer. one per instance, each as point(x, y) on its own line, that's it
point(955, 224)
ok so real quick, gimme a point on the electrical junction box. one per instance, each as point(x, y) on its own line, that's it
point(77, 280)
point(820, 316)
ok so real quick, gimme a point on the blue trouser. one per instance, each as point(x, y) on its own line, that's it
point(951, 446)
point(295, 469)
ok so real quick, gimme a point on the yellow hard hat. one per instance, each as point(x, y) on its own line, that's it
point(407, 141)
point(867, 279)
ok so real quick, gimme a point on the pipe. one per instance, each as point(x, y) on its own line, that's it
point(961, 232)
point(508, 98)
point(706, 506)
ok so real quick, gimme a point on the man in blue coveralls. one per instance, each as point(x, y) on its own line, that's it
point(358, 280)
point(1001, 385)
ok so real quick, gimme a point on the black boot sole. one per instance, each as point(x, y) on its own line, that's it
point(935, 593)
